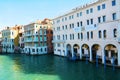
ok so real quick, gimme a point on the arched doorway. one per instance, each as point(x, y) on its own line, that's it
point(68, 51)
point(96, 52)
point(76, 51)
point(110, 53)
point(85, 51)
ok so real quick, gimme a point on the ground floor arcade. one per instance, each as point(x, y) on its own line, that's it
point(106, 53)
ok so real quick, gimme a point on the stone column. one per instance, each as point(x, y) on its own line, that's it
point(80, 53)
point(109, 53)
point(103, 54)
point(72, 51)
point(90, 54)
point(119, 55)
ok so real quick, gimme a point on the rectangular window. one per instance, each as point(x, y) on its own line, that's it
point(91, 21)
point(63, 37)
point(87, 35)
point(99, 19)
point(78, 36)
point(72, 25)
point(65, 18)
point(104, 18)
point(99, 34)
point(72, 16)
point(66, 26)
point(113, 2)
point(70, 36)
point(87, 11)
point(73, 36)
point(77, 14)
point(69, 17)
point(81, 24)
point(58, 44)
point(114, 16)
point(62, 19)
point(103, 6)
point(91, 35)
point(98, 8)
point(78, 24)
point(66, 36)
point(63, 27)
point(81, 36)
point(80, 13)
point(91, 10)
point(87, 22)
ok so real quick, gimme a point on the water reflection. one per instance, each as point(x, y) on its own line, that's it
point(48, 67)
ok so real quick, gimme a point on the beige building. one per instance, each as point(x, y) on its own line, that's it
point(91, 30)
point(10, 39)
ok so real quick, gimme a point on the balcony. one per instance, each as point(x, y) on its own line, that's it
point(28, 34)
point(36, 40)
point(28, 40)
point(58, 41)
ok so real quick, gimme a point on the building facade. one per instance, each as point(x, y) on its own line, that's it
point(10, 39)
point(21, 39)
point(91, 30)
point(0, 42)
point(35, 37)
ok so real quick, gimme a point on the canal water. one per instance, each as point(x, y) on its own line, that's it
point(49, 67)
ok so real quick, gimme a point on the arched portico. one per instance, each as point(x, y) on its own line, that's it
point(111, 52)
point(76, 51)
point(68, 51)
point(96, 52)
point(85, 51)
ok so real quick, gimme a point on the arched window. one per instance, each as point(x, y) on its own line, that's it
point(78, 35)
point(99, 34)
point(104, 33)
point(81, 36)
point(70, 36)
point(45, 49)
point(73, 36)
point(91, 35)
point(87, 35)
point(63, 37)
point(41, 50)
point(66, 36)
point(37, 50)
point(115, 33)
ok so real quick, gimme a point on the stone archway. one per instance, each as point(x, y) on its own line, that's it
point(96, 52)
point(110, 52)
point(76, 51)
point(85, 51)
point(68, 51)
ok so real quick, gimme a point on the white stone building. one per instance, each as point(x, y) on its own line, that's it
point(35, 37)
point(91, 30)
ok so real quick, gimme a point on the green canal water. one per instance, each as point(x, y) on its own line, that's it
point(48, 67)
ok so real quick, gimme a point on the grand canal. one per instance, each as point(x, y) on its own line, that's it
point(49, 67)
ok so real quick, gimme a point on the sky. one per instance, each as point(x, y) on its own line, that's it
point(23, 12)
